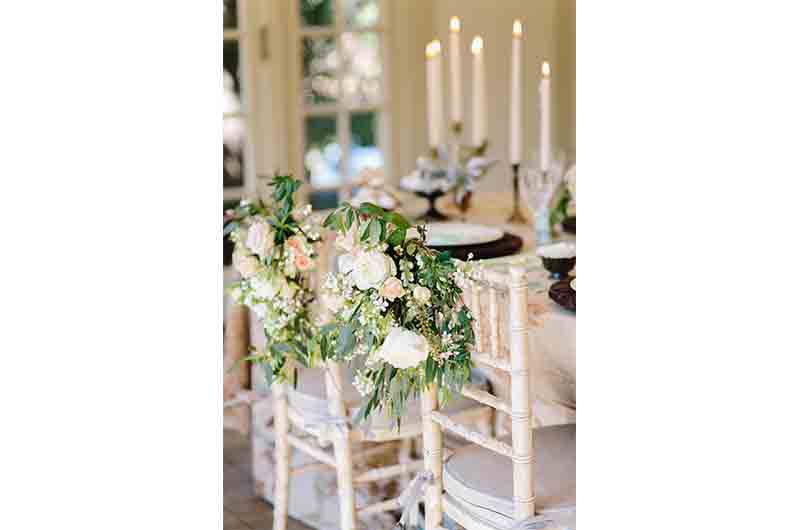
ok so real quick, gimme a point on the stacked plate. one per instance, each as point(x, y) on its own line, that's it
point(463, 239)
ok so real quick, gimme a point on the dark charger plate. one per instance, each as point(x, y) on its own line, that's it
point(562, 294)
point(505, 246)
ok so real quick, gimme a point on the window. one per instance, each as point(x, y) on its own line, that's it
point(237, 162)
point(340, 81)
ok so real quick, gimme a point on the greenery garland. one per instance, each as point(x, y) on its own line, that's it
point(398, 308)
point(274, 253)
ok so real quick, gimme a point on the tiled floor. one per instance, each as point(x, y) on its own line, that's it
point(243, 510)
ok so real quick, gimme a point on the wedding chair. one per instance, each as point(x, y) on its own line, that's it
point(317, 412)
point(522, 481)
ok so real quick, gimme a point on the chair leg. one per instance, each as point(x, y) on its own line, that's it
point(282, 454)
point(341, 448)
point(432, 436)
point(405, 455)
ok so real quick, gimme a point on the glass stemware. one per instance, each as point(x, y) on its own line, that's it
point(541, 186)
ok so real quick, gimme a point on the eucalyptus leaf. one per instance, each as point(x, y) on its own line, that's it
point(367, 208)
point(346, 342)
point(374, 231)
point(230, 227)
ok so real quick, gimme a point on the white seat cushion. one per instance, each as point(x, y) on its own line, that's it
point(489, 496)
point(310, 397)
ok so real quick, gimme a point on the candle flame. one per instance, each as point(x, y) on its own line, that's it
point(546, 69)
point(455, 24)
point(477, 44)
point(517, 29)
point(433, 48)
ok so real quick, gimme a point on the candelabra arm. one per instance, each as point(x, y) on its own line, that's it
point(516, 215)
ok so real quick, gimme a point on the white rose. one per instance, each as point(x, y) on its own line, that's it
point(263, 288)
point(422, 294)
point(370, 269)
point(259, 238)
point(346, 262)
point(403, 348)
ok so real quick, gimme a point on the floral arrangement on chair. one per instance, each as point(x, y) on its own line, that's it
point(274, 253)
point(396, 303)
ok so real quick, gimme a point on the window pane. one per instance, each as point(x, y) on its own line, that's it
point(316, 12)
point(364, 150)
point(229, 16)
point(361, 13)
point(232, 101)
point(362, 68)
point(323, 152)
point(320, 61)
point(233, 140)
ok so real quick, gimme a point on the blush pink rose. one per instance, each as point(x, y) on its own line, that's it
point(303, 262)
point(392, 288)
point(296, 244)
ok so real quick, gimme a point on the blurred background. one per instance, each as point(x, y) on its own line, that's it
point(324, 88)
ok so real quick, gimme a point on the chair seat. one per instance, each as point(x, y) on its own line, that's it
point(310, 399)
point(489, 496)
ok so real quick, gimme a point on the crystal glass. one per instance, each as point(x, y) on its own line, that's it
point(540, 187)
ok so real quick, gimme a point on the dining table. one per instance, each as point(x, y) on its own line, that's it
point(551, 340)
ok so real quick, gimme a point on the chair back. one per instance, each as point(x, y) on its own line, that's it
point(515, 283)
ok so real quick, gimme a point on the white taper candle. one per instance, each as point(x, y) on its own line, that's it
point(456, 101)
point(544, 113)
point(433, 77)
point(478, 93)
point(515, 117)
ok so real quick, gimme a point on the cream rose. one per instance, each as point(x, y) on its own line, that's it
point(245, 264)
point(403, 348)
point(259, 238)
point(422, 294)
point(392, 288)
point(370, 269)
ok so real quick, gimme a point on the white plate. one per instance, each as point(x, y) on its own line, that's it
point(458, 234)
point(574, 284)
